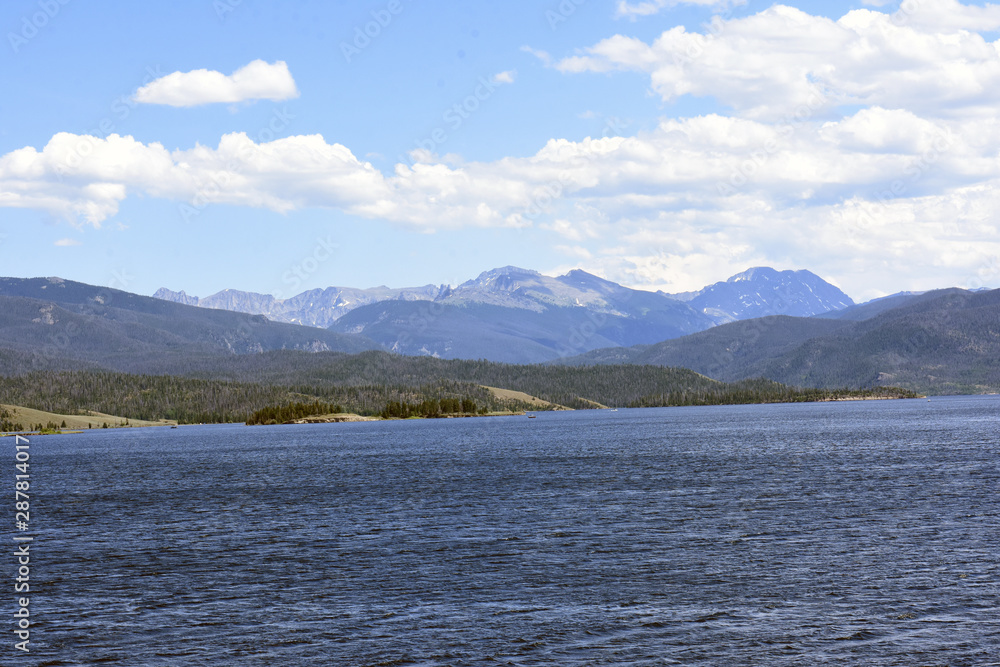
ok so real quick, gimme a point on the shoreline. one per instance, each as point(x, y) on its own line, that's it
point(869, 398)
point(351, 417)
point(354, 418)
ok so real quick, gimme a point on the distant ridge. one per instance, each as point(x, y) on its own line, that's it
point(763, 291)
point(519, 315)
point(315, 308)
point(945, 341)
point(51, 323)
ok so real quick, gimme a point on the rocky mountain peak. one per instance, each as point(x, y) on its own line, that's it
point(763, 291)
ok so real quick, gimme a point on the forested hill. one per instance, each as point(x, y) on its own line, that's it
point(66, 345)
point(367, 383)
point(941, 342)
point(50, 323)
point(371, 378)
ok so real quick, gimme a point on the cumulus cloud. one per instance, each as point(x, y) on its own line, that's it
point(544, 56)
point(505, 77)
point(670, 208)
point(906, 184)
point(683, 163)
point(65, 243)
point(868, 248)
point(256, 81)
point(782, 60)
point(941, 15)
point(84, 179)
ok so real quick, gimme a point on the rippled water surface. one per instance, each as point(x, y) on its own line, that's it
point(861, 533)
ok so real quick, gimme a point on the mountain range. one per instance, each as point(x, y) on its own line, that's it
point(314, 308)
point(521, 316)
point(51, 323)
point(945, 341)
point(762, 291)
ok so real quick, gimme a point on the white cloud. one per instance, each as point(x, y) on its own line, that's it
point(255, 81)
point(65, 243)
point(939, 15)
point(919, 200)
point(578, 229)
point(903, 192)
point(683, 163)
point(505, 77)
point(734, 177)
point(867, 248)
point(574, 251)
point(544, 56)
point(782, 60)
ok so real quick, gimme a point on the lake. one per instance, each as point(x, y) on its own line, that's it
point(855, 533)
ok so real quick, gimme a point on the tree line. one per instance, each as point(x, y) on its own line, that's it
point(190, 400)
point(431, 408)
point(765, 391)
point(282, 414)
point(391, 386)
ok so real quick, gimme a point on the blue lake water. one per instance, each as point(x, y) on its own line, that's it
point(861, 533)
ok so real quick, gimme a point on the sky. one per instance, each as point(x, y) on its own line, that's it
point(280, 146)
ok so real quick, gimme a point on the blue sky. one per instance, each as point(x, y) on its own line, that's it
point(275, 147)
